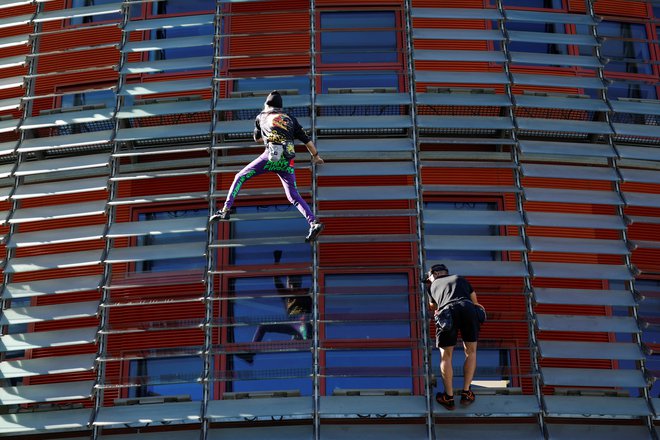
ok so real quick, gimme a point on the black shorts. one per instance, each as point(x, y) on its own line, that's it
point(464, 315)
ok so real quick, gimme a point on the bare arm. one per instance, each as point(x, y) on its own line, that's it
point(314, 152)
point(473, 298)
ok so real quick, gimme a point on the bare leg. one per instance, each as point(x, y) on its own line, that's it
point(470, 365)
point(446, 369)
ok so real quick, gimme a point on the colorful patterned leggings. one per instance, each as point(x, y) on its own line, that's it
point(284, 170)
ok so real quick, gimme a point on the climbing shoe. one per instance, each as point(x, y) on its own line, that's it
point(467, 397)
point(445, 400)
point(315, 230)
point(220, 215)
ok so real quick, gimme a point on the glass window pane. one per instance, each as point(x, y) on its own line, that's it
point(621, 89)
point(542, 28)
point(260, 228)
point(105, 97)
point(460, 229)
point(167, 377)
point(368, 369)
point(94, 18)
point(181, 7)
point(282, 303)
point(299, 83)
point(356, 298)
point(338, 44)
point(183, 52)
point(547, 4)
point(266, 312)
point(625, 45)
point(169, 238)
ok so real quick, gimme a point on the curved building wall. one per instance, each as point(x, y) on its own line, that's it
point(515, 141)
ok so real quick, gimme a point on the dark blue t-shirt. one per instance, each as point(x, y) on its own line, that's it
point(450, 288)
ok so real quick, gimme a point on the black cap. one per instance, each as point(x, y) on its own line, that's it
point(274, 99)
point(439, 267)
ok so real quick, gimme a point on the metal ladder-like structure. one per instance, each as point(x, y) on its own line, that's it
point(630, 285)
point(104, 306)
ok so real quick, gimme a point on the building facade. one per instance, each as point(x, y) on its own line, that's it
point(515, 141)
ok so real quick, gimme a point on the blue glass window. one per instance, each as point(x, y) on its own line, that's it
point(105, 97)
point(259, 315)
point(295, 226)
point(182, 7)
point(300, 83)
point(460, 229)
point(546, 4)
point(336, 82)
point(368, 369)
point(263, 86)
point(257, 300)
point(176, 263)
point(358, 37)
point(351, 301)
point(630, 89)
point(167, 377)
point(492, 365)
point(545, 28)
point(183, 52)
point(625, 45)
point(94, 18)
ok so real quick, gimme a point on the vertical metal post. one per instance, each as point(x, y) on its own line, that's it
point(20, 157)
point(427, 351)
point(515, 156)
point(612, 162)
point(104, 311)
point(207, 351)
point(316, 378)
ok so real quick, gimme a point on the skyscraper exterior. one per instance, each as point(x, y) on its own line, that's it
point(515, 141)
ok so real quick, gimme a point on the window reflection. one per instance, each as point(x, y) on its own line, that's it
point(366, 306)
point(375, 30)
point(368, 369)
point(174, 7)
point(460, 229)
point(292, 224)
point(624, 44)
point(546, 4)
point(540, 28)
point(94, 18)
point(183, 52)
point(269, 326)
point(171, 238)
point(177, 376)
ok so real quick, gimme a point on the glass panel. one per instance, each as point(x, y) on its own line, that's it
point(368, 369)
point(182, 52)
point(623, 89)
point(547, 4)
point(18, 328)
point(357, 299)
point(267, 312)
point(175, 263)
point(492, 365)
point(336, 82)
point(460, 229)
point(338, 44)
point(541, 28)
point(262, 228)
point(104, 97)
point(281, 304)
point(167, 377)
point(94, 18)
point(299, 83)
point(626, 45)
point(173, 7)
